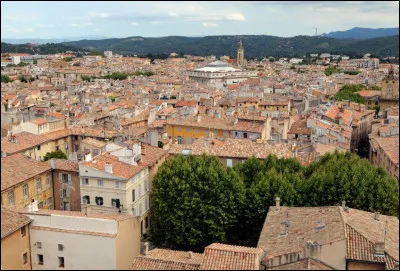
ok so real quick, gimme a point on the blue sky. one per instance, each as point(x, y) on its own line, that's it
point(53, 19)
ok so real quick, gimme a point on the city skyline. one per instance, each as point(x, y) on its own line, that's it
point(42, 19)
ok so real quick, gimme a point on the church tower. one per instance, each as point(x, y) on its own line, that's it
point(240, 54)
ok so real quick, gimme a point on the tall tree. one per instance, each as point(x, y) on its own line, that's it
point(195, 201)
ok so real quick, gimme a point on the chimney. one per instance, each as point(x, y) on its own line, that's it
point(235, 121)
point(343, 204)
point(146, 248)
point(277, 203)
point(88, 157)
point(379, 249)
point(52, 163)
point(190, 255)
point(198, 118)
point(396, 266)
point(108, 168)
point(377, 216)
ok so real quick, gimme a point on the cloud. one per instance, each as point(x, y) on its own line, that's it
point(45, 25)
point(134, 23)
point(207, 24)
point(11, 29)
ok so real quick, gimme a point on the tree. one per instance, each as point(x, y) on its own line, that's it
point(22, 79)
point(67, 59)
point(207, 202)
point(55, 154)
point(5, 79)
point(348, 92)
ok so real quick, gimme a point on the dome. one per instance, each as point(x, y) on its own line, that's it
point(218, 64)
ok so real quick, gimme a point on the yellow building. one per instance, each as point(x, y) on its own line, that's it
point(24, 179)
point(15, 248)
point(390, 90)
point(187, 130)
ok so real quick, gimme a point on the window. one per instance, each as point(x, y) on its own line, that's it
point(115, 203)
point(25, 191)
point(85, 181)
point(99, 200)
point(38, 148)
point(206, 131)
point(146, 222)
point(146, 185)
point(180, 140)
point(100, 183)
point(40, 259)
point(38, 244)
point(11, 198)
point(25, 258)
point(178, 128)
point(196, 130)
point(39, 185)
point(140, 190)
point(226, 133)
point(146, 205)
point(48, 181)
point(229, 162)
point(187, 129)
point(133, 195)
point(140, 209)
point(116, 184)
point(40, 205)
point(245, 135)
point(49, 202)
point(60, 261)
point(23, 231)
point(60, 247)
point(86, 200)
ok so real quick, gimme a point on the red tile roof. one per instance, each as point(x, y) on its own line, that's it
point(12, 221)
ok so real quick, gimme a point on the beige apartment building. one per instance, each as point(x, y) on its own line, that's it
point(15, 247)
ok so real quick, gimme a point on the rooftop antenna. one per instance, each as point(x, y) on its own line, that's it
point(316, 31)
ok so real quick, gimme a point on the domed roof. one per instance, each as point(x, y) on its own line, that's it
point(218, 64)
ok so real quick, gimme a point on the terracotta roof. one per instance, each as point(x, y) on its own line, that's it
point(303, 264)
point(186, 103)
point(39, 121)
point(12, 221)
point(119, 168)
point(369, 93)
point(302, 228)
point(238, 148)
point(150, 154)
point(103, 234)
point(94, 142)
point(62, 164)
point(226, 257)
point(143, 263)
point(18, 168)
point(57, 115)
point(300, 128)
point(175, 255)
point(390, 146)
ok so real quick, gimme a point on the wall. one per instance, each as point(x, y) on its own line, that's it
point(333, 254)
point(42, 196)
point(12, 249)
point(127, 242)
point(74, 190)
point(364, 266)
point(80, 251)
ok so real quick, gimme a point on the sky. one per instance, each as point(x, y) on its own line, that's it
point(53, 19)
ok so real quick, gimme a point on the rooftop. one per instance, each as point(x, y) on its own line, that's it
point(12, 221)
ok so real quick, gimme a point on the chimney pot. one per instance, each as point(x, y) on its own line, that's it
point(190, 255)
point(379, 248)
point(277, 202)
point(146, 248)
point(108, 168)
point(377, 216)
point(343, 204)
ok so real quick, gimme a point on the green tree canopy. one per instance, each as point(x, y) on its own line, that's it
point(67, 59)
point(55, 154)
point(348, 92)
point(5, 79)
point(195, 201)
point(22, 79)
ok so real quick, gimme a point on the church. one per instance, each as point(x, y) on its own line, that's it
point(221, 72)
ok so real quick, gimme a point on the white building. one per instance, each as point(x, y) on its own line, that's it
point(369, 63)
point(220, 72)
point(108, 54)
point(64, 240)
point(117, 181)
point(295, 60)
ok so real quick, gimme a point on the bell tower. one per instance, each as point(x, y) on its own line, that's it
point(240, 54)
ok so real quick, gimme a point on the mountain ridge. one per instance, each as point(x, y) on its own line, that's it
point(363, 33)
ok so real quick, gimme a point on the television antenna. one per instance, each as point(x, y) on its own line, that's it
point(316, 31)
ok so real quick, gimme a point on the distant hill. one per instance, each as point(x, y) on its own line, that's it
point(255, 45)
point(363, 33)
point(50, 48)
point(44, 41)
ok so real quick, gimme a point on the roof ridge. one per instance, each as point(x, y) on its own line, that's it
point(165, 260)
